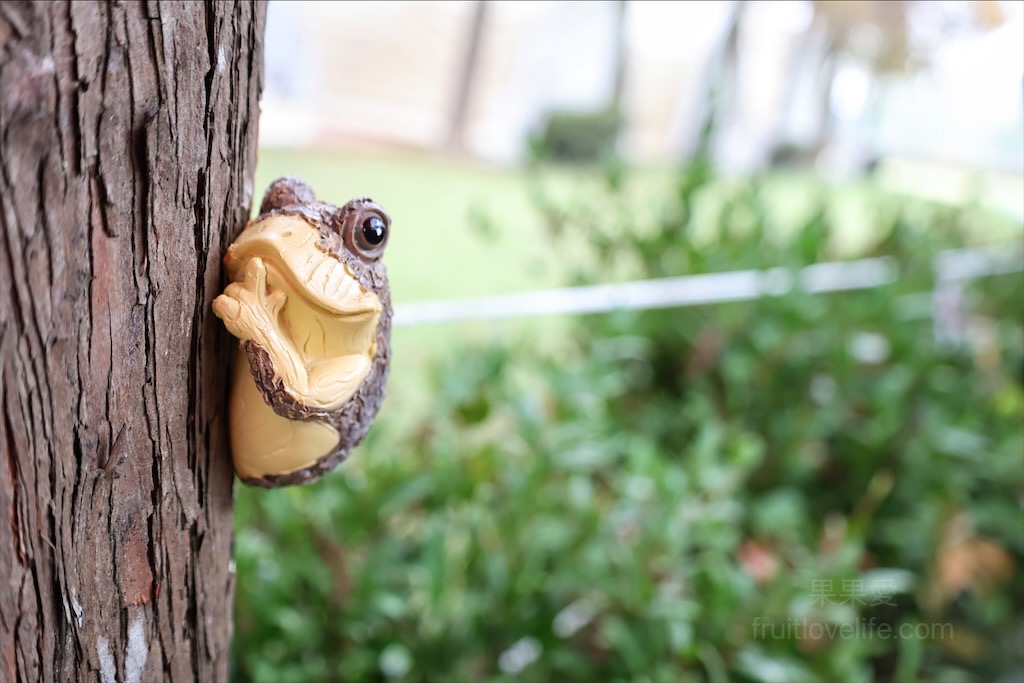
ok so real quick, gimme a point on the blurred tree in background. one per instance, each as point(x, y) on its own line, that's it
point(882, 39)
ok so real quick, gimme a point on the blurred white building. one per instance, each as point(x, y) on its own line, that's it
point(390, 72)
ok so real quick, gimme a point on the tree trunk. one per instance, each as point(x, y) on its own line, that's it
point(129, 134)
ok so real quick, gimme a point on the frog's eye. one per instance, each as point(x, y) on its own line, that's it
point(374, 230)
point(369, 234)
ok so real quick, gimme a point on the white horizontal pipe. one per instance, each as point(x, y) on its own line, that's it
point(975, 262)
point(693, 290)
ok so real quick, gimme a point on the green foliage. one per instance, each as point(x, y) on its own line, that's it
point(690, 494)
point(578, 138)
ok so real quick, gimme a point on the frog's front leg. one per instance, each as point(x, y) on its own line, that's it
point(251, 312)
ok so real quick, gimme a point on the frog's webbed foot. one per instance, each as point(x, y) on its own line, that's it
point(251, 312)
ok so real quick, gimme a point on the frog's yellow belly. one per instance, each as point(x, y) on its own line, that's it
point(263, 442)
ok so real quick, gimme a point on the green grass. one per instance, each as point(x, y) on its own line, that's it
point(433, 252)
point(463, 229)
point(460, 230)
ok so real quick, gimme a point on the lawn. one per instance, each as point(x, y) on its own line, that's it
point(464, 229)
point(434, 253)
point(461, 230)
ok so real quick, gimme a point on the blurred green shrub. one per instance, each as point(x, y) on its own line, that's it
point(578, 138)
point(690, 494)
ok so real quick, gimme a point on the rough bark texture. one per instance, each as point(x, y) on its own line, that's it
point(128, 133)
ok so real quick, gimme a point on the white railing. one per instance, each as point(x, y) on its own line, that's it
point(951, 268)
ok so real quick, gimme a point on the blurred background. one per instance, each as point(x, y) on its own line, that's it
point(825, 482)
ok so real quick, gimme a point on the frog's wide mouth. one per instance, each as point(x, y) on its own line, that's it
point(328, 322)
point(292, 246)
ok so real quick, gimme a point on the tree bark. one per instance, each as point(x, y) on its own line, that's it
point(129, 134)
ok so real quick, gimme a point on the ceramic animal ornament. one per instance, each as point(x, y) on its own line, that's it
point(310, 305)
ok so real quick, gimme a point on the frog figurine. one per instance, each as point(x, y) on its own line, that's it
point(310, 304)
